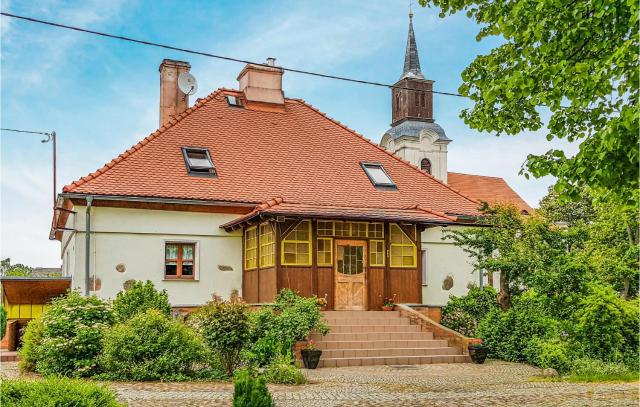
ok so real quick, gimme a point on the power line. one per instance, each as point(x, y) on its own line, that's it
point(206, 54)
point(27, 131)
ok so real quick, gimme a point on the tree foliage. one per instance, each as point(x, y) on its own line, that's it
point(578, 59)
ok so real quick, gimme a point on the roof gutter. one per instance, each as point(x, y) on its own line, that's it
point(124, 198)
point(234, 224)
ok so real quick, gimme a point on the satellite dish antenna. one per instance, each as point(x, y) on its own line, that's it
point(187, 83)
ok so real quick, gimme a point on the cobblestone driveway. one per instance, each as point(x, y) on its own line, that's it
point(461, 384)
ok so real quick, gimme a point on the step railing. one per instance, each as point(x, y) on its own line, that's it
point(439, 331)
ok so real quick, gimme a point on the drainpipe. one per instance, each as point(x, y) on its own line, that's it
point(87, 255)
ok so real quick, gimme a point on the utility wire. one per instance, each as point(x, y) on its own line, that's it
point(27, 131)
point(206, 54)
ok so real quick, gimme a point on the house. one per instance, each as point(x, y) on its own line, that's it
point(251, 190)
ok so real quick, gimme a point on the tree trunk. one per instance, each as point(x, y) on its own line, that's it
point(625, 288)
point(504, 298)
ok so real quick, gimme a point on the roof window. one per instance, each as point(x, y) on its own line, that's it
point(198, 161)
point(233, 101)
point(378, 176)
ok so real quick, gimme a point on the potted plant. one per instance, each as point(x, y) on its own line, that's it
point(322, 302)
point(311, 355)
point(478, 351)
point(389, 303)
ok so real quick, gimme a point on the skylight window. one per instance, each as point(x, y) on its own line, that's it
point(233, 101)
point(378, 176)
point(198, 161)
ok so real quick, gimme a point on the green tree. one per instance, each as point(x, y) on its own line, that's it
point(570, 212)
point(14, 270)
point(579, 59)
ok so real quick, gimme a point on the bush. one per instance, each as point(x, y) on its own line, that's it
point(31, 342)
point(600, 321)
point(250, 391)
point(463, 313)
point(551, 353)
point(591, 370)
point(298, 316)
point(54, 392)
point(263, 351)
point(225, 327)
point(509, 333)
point(139, 298)
point(3, 321)
point(150, 347)
point(73, 327)
point(282, 370)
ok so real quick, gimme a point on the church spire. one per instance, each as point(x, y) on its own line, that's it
point(411, 59)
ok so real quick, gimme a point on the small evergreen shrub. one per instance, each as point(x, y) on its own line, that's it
point(138, 298)
point(225, 328)
point(73, 327)
point(251, 391)
point(150, 347)
point(31, 342)
point(282, 370)
point(56, 392)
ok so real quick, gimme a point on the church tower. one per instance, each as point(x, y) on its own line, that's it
point(414, 135)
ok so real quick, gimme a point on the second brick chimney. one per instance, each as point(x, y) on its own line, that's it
point(172, 100)
point(262, 84)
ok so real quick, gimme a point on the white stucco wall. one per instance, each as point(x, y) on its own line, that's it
point(136, 239)
point(414, 150)
point(445, 259)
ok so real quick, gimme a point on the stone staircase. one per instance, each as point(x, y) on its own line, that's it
point(364, 338)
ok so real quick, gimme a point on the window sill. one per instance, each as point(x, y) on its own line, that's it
point(181, 279)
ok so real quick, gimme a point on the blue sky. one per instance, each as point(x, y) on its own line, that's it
point(101, 96)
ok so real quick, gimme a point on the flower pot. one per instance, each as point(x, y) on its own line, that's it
point(388, 307)
point(311, 357)
point(478, 354)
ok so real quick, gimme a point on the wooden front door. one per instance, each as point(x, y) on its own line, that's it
point(351, 275)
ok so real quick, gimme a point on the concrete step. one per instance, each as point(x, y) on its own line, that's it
point(361, 314)
point(373, 336)
point(367, 321)
point(379, 352)
point(392, 360)
point(337, 329)
point(416, 343)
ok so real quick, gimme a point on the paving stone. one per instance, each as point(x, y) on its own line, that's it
point(458, 384)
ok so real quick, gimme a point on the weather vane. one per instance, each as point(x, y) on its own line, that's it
point(410, 11)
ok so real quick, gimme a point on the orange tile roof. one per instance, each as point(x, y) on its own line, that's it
point(298, 154)
point(487, 189)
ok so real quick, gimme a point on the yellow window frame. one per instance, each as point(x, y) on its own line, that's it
point(267, 245)
point(307, 242)
point(318, 251)
point(373, 252)
point(333, 228)
point(251, 251)
point(371, 229)
point(402, 245)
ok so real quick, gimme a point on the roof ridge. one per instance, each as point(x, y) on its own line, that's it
point(136, 147)
point(476, 175)
point(318, 111)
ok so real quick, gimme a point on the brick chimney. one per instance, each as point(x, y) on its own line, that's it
point(262, 84)
point(172, 100)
